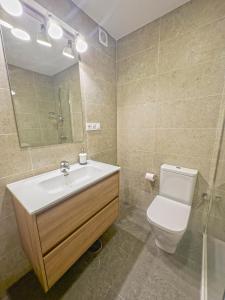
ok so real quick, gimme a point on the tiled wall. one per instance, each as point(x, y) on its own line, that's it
point(33, 99)
point(169, 92)
point(99, 101)
point(216, 220)
point(67, 91)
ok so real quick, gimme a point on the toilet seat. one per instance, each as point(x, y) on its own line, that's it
point(168, 214)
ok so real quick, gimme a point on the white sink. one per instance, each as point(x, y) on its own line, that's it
point(39, 192)
point(76, 177)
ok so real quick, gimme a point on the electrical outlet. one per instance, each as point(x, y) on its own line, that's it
point(93, 126)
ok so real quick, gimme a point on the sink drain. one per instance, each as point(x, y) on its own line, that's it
point(96, 247)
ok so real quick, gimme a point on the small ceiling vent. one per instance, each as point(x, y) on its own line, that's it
point(103, 37)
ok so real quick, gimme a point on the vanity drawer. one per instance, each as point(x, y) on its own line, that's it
point(60, 259)
point(58, 222)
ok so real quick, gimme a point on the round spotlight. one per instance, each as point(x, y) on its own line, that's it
point(20, 34)
point(54, 30)
point(42, 37)
point(81, 45)
point(5, 24)
point(12, 7)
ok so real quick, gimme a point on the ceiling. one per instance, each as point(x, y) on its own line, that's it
point(30, 55)
point(121, 17)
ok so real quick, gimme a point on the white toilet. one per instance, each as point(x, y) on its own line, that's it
point(169, 212)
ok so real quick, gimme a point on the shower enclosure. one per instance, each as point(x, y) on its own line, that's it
point(213, 258)
point(62, 116)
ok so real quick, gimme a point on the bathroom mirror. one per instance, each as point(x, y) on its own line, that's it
point(44, 83)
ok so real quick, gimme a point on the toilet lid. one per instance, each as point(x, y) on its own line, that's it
point(168, 214)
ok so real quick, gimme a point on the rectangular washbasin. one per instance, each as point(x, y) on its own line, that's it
point(74, 178)
point(37, 193)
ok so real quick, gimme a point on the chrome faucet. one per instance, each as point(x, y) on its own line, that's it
point(64, 167)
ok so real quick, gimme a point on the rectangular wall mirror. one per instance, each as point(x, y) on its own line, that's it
point(45, 86)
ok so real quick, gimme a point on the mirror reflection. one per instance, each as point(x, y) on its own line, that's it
point(45, 83)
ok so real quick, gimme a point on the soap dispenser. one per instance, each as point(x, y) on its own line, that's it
point(83, 157)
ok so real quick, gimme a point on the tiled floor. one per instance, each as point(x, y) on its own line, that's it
point(128, 267)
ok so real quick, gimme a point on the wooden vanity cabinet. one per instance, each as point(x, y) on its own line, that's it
point(55, 238)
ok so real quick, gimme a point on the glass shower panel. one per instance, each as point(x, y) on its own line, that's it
point(216, 231)
point(64, 111)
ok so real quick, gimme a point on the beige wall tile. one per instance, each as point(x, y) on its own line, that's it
point(49, 136)
point(27, 121)
point(136, 179)
point(107, 119)
point(7, 119)
point(137, 116)
point(216, 228)
point(78, 127)
point(13, 265)
point(107, 156)
point(191, 16)
point(14, 160)
point(141, 65)
point(144, 38)
point(136, 160)
point(220, 175)
point(42, 157)
point(21, 79)
point(137, 139)
point(3, 74)
point(198, 81)
point(197, 220)
point(8, 235)
point(195, 47)
point(6, 208)
point(31, 137)
point(97, 90)
point(188, 113)
point(98, 65)
point(3, 78)
point(137, 92)
point(67, 152)
point(218, 205)
point(98, 142)
point(25, 105)
point(178, 21)
point(189, 142)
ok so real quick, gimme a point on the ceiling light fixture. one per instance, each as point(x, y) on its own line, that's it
point(20, 34)
point(54, 30)
point(5, 24)
point(42, 37)
point(12, 7)
point(68, 50)
point(81, 45)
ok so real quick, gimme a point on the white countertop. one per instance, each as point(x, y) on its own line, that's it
point(40, 192)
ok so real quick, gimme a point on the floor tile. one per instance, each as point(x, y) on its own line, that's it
point(129, 267)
